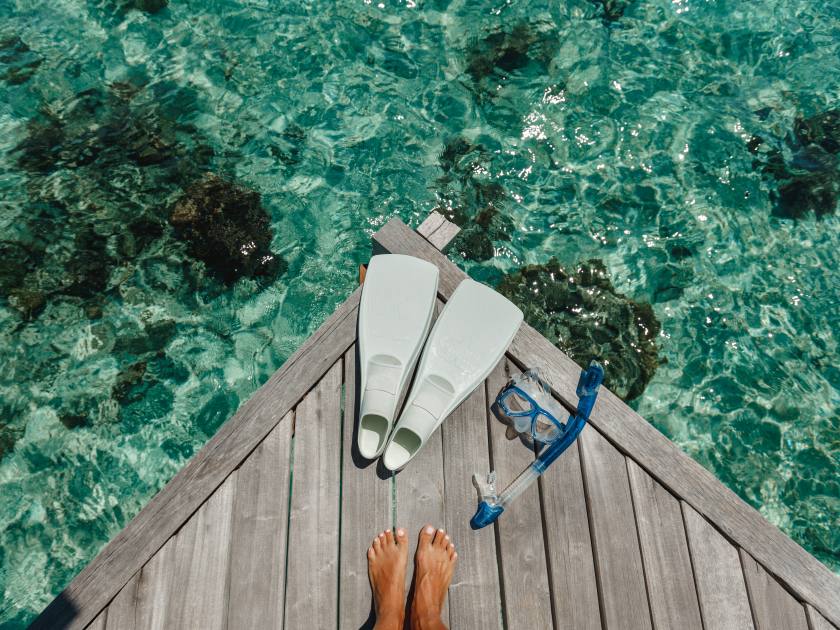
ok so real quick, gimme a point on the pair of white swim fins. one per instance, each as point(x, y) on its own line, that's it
point(468, 340)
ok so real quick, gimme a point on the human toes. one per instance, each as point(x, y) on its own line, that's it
point(402, 536)
point(426, 537)
point(441, 539)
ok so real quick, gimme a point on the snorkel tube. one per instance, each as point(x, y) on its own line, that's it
point(491, 505)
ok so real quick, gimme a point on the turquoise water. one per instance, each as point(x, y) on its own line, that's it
point(665, 153)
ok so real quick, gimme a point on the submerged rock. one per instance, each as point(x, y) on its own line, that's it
point(30, 302)
point(16, 261)
point(73, 420)
point(504, 52)
point(127, 380)
point(807, 171)
point(107, 129)
point(8, 437)
point(17, 62)
point(583, 315)
point(471, 203)
point(613, 9)
point(475, 240)
point(226, 227)
point(822, 130)
point(90, 267)
point(149, 6)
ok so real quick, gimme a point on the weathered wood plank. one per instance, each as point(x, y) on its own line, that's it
point(772, 606)
point(474, 596)
point(99, 622)
point(258, 533)
point(312, 587)
point(574, 588)
point(437, 230)
point(615, 541)
point(153, 589)
point(721, 590)
point(670, 581)
point(121, 610)
point(664, 461)
point(520, 528)
point(98, 582)
point(198, 591)
point(815, 620)
point(365, 511)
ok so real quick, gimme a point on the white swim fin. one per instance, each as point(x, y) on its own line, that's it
point(468, 340)
point(395, 314)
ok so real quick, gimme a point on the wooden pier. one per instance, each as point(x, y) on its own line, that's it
point(268, 525)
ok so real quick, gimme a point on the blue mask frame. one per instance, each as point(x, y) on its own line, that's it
point(533, 413)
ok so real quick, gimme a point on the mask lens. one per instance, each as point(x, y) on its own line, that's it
point(545, 430)
point(518, 404)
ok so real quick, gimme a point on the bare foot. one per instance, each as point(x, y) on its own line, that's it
point(434, 564)
point(387, 559)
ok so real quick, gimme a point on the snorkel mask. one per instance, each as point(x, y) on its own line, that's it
point(527, 406)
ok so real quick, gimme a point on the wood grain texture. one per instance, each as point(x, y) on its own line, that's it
point(437, 230)
point(258, 533)
point(574, 589)
point(815, 620)
point(121, 610)
point(312, 587)
point(670, 580)
point(198, 590)
point(365, 511)
point(99, 622)
point(721, 590)
point(615, 541)
point(808, 578)
point(520, 528)
point(98, 582)
point(153, 589)
point(474, 597)
point(772, 606)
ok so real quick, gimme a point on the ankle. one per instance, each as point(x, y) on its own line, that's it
point(390, 619)
point(425, 620)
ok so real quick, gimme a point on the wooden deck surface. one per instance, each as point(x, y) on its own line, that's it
point(268, 525)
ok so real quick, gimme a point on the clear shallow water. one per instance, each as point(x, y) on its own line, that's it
point(624, 141)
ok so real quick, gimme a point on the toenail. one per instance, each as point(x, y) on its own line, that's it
point(430, 530)
point(400, 532)
point(446, 537)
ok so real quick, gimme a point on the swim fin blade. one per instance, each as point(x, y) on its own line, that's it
point(469, 338)
point(395, 314)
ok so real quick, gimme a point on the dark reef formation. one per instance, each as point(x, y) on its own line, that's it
point(613, 10)
point(17, 62)
point(806, 167)
point(501, 53)
point(119, 151)
point(225, 226)
point(583, 315)
point(470, 202)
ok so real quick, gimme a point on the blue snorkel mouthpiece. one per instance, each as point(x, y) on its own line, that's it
point(485, 514)
point(526, 404)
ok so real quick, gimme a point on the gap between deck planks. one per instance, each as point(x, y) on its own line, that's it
point(803, 574)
